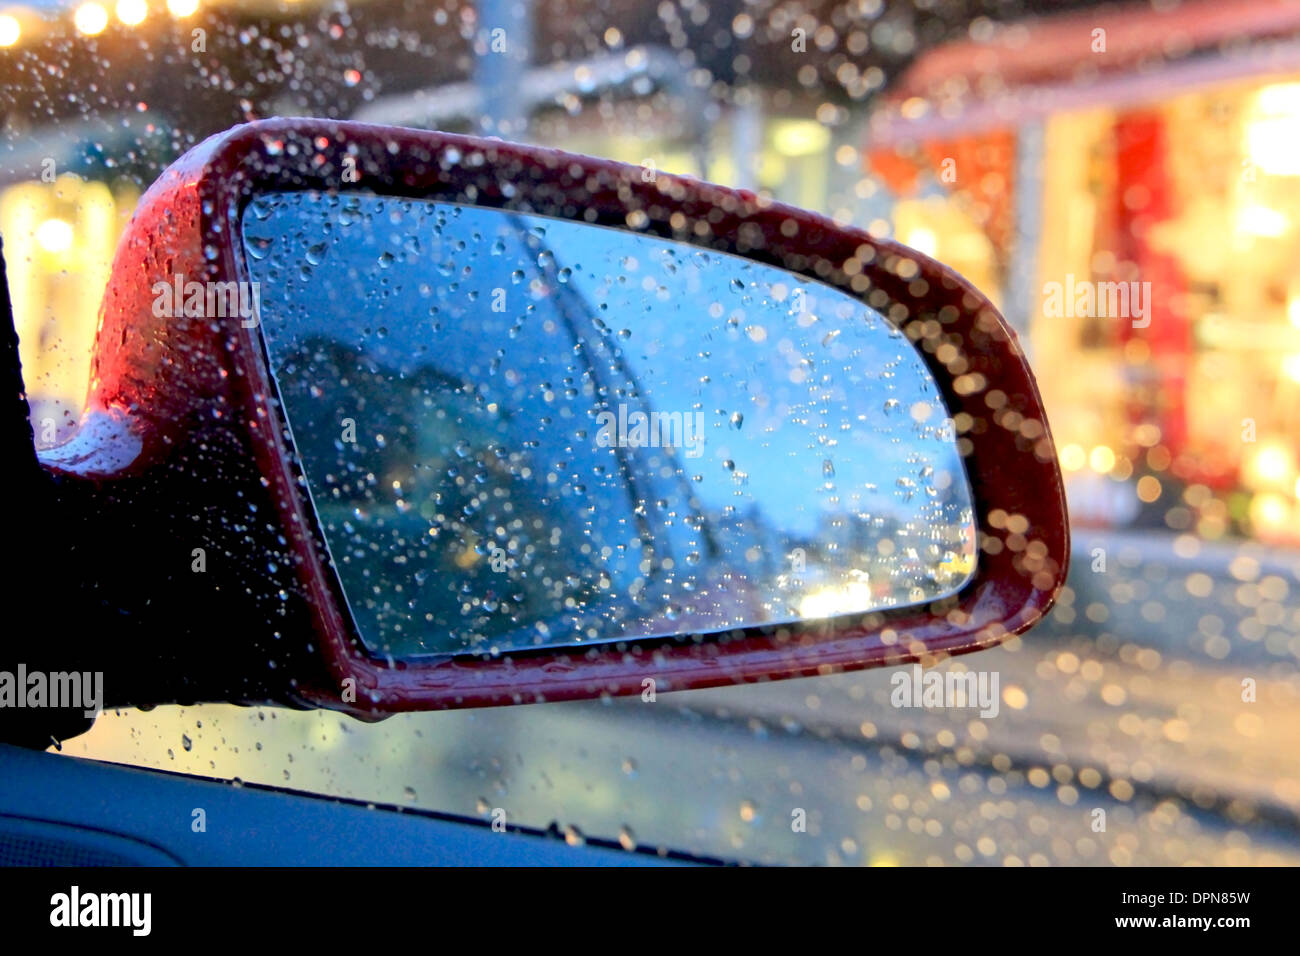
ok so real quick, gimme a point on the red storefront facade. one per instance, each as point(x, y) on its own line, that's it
point(1099, 171)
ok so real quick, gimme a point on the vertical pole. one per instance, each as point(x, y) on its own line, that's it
point(746, 138)
point(1022, 294)
point(502, 55)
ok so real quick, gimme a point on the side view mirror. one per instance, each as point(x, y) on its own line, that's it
point(386, 420)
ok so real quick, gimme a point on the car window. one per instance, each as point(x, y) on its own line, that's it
point(1138, 234)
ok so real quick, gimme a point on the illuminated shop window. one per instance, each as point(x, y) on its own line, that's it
point(59, 243)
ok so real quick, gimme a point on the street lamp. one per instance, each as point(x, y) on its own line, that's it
point(132, 12)
point(90, 19)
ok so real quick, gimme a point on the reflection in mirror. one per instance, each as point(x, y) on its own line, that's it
point(525, 432)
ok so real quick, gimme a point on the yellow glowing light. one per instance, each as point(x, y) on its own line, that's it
point(830, 601)
point(1015, 698)
point(1271, 465)
point(1293, 312)
point(922, 240)
point(960, 565)
point(801, 138)
point(1102, 459)
point(1073, 457)
point(10, 30)
point(1263, 222)
point(1271, 135)
point(1270, 512)
point(1279, 99)
point(914, 108)
point(1149, 488)
point(54, 235)
point(132, 12)
point(1291, 367)
point(182, 8)
point(1269, 143)
point(90, 19)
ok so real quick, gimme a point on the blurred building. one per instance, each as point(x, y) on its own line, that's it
point(1065, 164)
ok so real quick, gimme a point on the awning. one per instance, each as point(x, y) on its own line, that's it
point(1023, 71)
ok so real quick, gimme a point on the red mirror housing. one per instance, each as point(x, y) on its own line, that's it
point(183, 422)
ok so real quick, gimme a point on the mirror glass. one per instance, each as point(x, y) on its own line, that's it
point(525, 432)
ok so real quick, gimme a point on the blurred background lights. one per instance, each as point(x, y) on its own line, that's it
point(1149, 489)
point(1269, 511)
point(801, 138)
point(1271, 135)
point(182, 8)
point(1262, 221)
point(1270, 466)
point(1102, 459)
point(90, 19)
point(54, 236)
point(922, 240)
point(10, 30)
point(832, 601)
point(132, 12)
point(1073, 457)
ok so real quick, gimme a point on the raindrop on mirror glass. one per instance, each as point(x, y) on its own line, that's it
point(259, 248)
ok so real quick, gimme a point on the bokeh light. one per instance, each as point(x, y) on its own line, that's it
point(90, 19)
